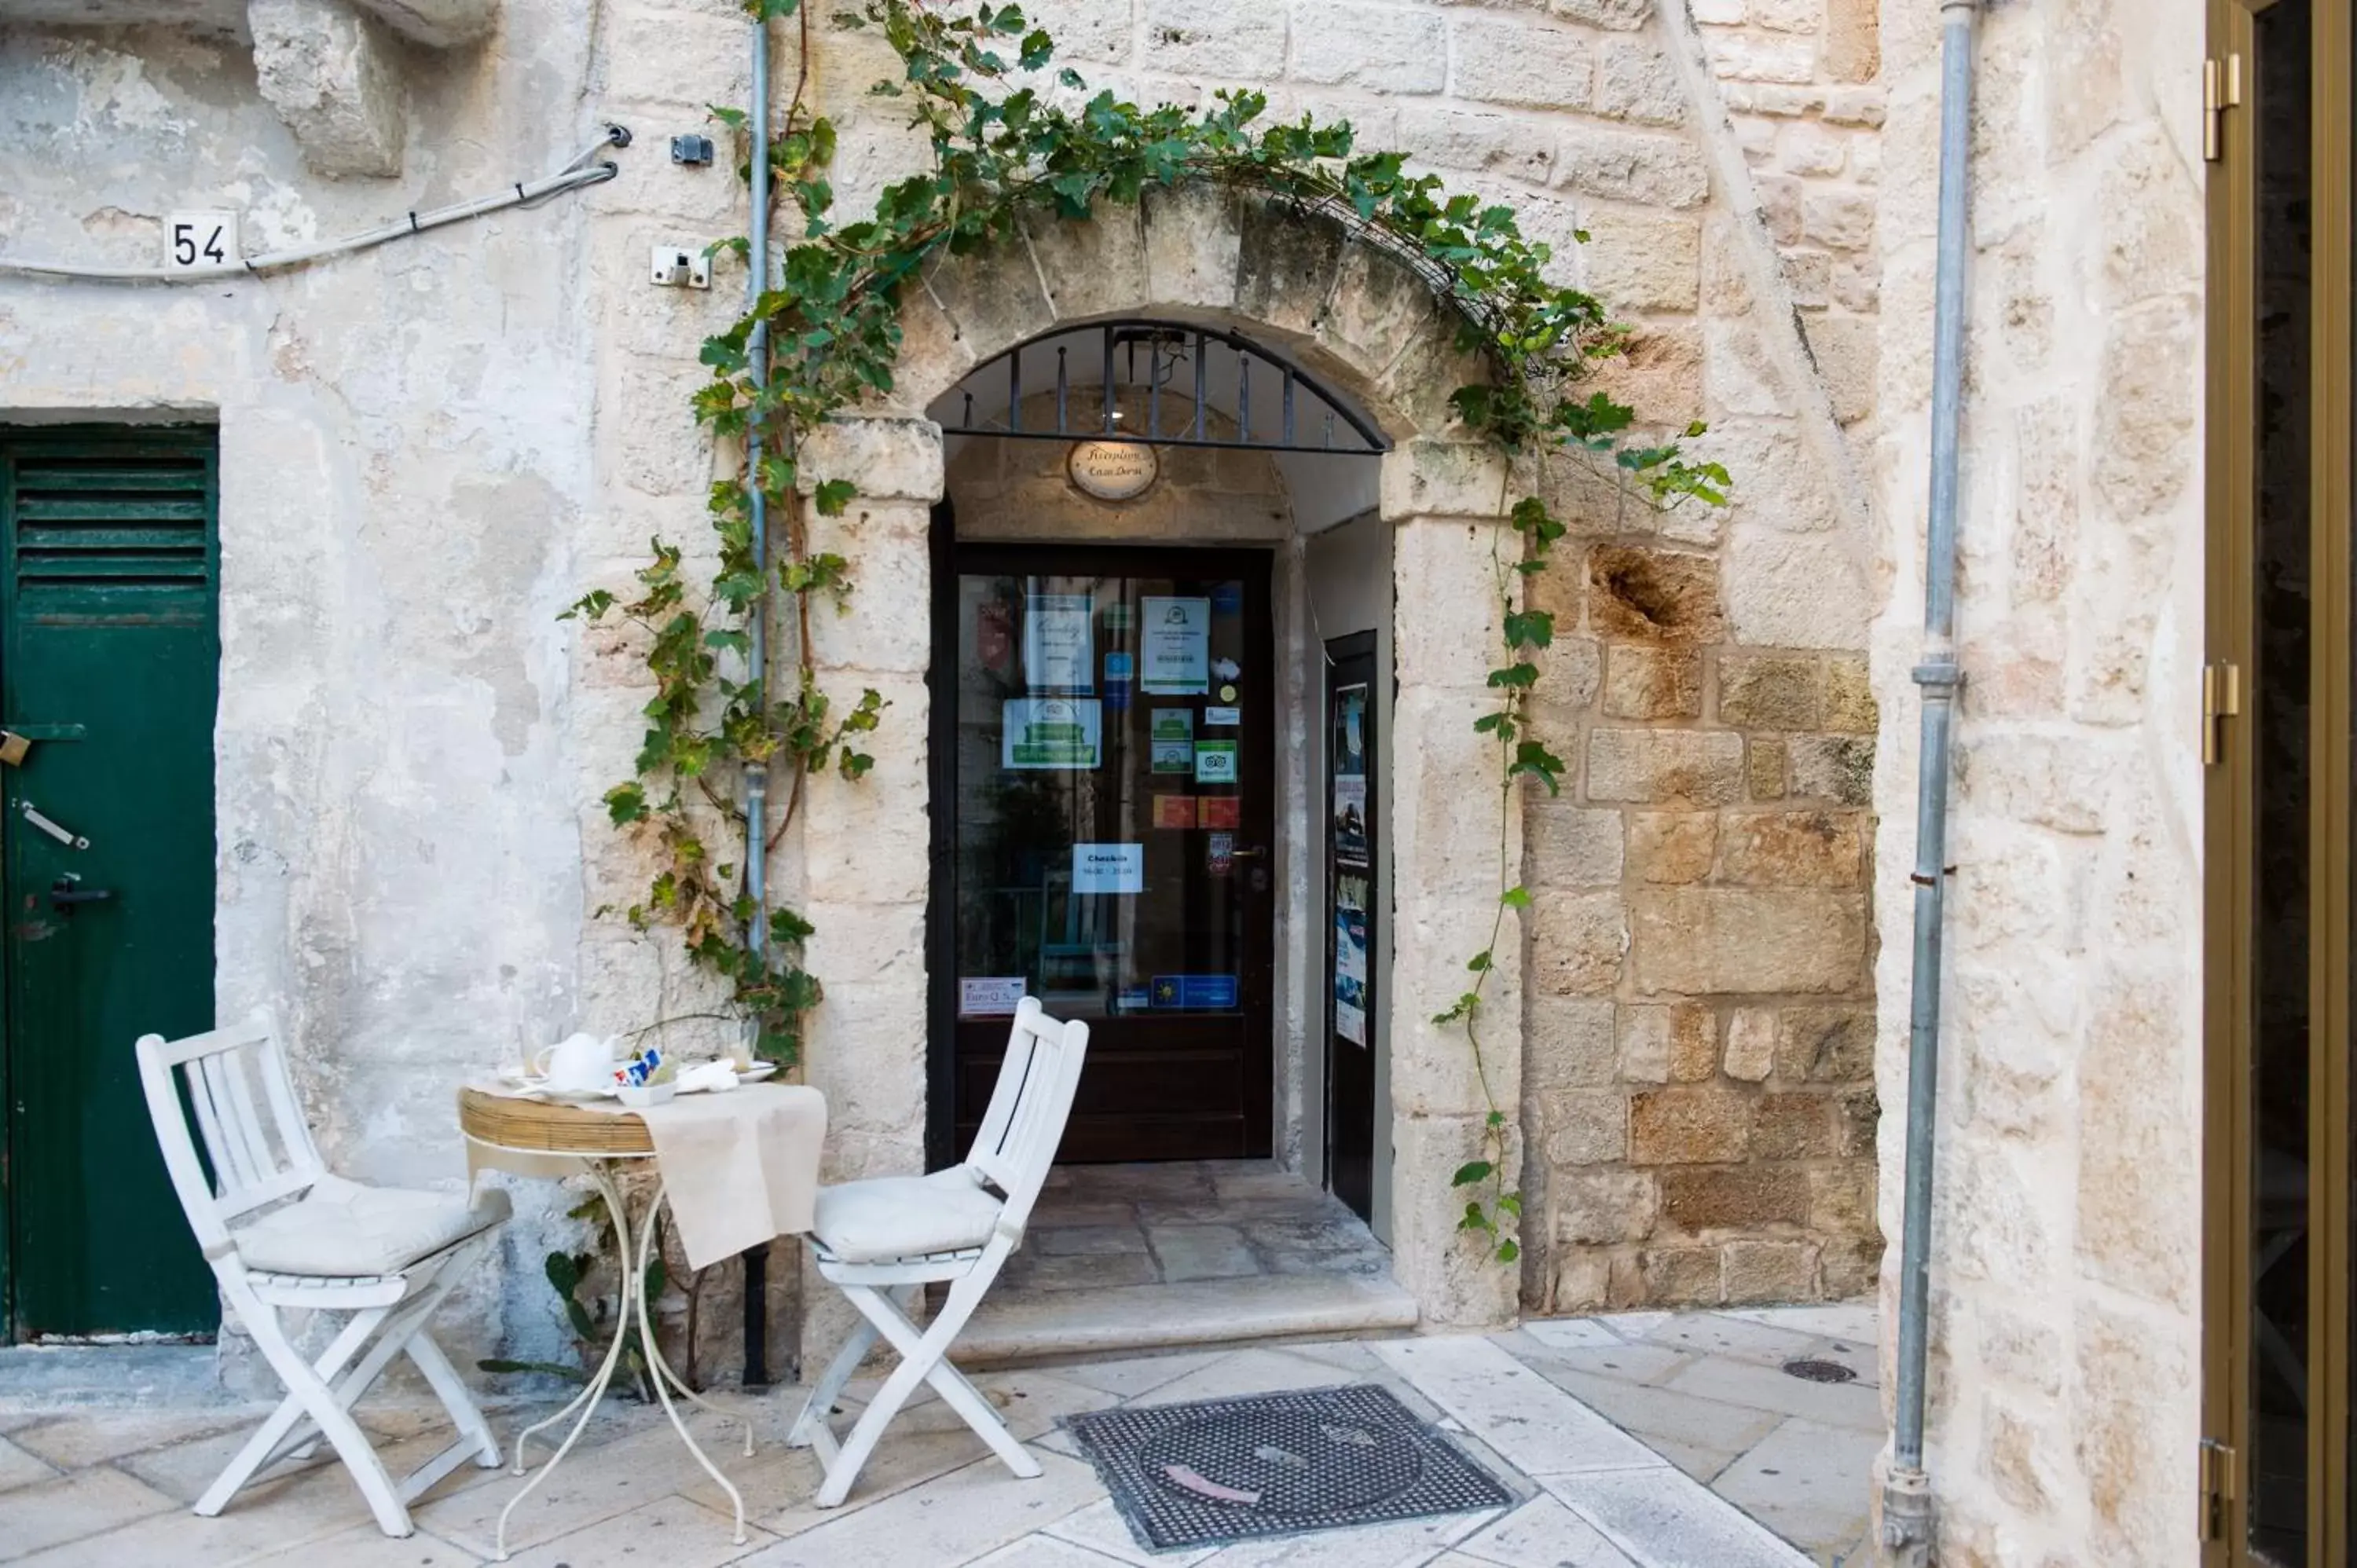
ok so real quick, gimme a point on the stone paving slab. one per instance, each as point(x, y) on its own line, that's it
point(1599, 1427)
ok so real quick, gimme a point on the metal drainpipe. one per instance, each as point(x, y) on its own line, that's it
point(756, 774)
point(1907, 1513)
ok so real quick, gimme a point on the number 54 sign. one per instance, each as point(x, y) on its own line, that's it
point(193, 240)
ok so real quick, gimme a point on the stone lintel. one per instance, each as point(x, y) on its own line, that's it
point(888, 458)
point(1443, 478)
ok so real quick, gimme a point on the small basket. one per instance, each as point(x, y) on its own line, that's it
point(550, 1127)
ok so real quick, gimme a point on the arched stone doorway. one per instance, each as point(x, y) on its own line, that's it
point(1364, 322)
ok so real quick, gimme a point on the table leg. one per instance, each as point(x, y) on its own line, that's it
point(586, 1400)
point(663, 1377)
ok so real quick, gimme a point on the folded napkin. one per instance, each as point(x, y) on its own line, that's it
point(740, 1167)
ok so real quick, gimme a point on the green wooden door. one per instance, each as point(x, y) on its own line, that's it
point(109, 662)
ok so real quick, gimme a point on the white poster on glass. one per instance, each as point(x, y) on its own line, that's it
point(1108, 868)
point(1058, 654)
point(1174, 647)
point(1052, 731)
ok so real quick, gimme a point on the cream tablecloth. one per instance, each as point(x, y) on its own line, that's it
point(738, 1167)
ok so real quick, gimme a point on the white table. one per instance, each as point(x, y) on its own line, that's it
point(550, 1138)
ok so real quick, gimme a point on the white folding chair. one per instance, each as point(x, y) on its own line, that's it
point(882, 1240)
point(384, 1255)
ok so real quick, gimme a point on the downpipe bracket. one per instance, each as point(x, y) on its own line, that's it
point(1906, 1517)
point(1939, 675)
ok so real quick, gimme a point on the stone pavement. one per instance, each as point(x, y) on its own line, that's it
point(1640, 1440)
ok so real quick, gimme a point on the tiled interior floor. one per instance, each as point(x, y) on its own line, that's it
point(1631, 1442)
point(1100, 1226)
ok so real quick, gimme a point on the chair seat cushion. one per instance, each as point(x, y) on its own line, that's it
point(885, 1218)
point(341, 1230)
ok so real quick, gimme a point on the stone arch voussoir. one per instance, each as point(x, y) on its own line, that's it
point(1299, 282)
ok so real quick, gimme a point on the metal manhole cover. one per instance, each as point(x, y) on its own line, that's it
point(1819, 1371)
point(1267, 1464)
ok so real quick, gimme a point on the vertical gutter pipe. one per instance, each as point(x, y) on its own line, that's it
point(756, 774)
point(1907, 1514)
point(1908, 1509)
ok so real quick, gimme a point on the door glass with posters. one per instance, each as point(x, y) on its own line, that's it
point(1110, 847)
point(1350, 883)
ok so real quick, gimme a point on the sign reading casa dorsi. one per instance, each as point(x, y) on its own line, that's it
point(1113, 470)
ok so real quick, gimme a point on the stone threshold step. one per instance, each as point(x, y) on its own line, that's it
point(1038, 1325)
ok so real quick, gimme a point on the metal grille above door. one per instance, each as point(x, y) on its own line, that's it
point(1200, 387)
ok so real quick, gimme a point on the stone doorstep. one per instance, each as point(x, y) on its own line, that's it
point(50, 1378)
point(1119, 1320)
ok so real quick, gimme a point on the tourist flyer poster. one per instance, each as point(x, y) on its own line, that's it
point(1052, 731)
point(1059, 652)
point(1174, 647)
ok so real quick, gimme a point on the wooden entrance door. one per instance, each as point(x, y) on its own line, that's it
point(1102, 732)
point(2277, 1448)
point(109, 665)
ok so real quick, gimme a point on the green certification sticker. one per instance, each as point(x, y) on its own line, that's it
point(1215, 762)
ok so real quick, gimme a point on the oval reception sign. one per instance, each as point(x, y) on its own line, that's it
point(1113, 470)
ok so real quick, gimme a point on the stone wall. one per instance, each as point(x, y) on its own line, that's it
point(2065, 1240)
point(1700, 1050)
point(430, 449)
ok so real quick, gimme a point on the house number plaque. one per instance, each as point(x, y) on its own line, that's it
point(1113, 470)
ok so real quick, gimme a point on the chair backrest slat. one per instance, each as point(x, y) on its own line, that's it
point(236, 1165)
point(1016, 1144)
point(209, 1121)
point(249, 1169)
point(266, 1160)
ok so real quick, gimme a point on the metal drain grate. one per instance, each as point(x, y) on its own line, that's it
point(1819, 1371)
point(1235, 1469)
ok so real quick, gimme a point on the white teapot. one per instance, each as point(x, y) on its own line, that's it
point(579, 1064)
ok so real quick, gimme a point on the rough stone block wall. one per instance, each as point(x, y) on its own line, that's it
point(1699, 1048)
point(2066, 1227)
point(1800, 79)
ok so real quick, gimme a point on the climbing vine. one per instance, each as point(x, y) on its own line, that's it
point(981, 86)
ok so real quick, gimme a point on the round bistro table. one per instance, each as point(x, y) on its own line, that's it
point(600, 1144)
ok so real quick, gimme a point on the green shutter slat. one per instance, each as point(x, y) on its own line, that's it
point(34, 506)
point(178, 475)
point(93, 536)
point(111, 568)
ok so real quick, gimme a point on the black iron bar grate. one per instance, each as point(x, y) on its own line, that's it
point(1235, 1469)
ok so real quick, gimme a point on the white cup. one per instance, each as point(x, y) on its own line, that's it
point(580, 1064)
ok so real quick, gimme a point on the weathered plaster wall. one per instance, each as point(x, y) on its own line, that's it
point(2065, 1234)
point(405, 473)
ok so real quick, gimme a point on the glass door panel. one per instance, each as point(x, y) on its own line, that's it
point(1111, 846)
point(2283, 545)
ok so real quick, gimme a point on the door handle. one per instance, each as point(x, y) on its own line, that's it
point(64, 895)
point(1256, 853)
